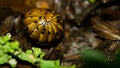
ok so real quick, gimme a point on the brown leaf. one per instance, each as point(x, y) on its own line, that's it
point(104, 29)
point(17, 5)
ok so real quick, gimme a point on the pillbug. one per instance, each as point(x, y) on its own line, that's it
point(44, 25)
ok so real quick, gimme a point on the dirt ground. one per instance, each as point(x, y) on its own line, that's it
point(87, 24)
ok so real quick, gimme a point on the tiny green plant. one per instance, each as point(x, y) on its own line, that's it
point(92, 1)
point(94, 58)
point(8, 49)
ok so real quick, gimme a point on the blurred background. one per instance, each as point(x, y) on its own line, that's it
point(89, 24)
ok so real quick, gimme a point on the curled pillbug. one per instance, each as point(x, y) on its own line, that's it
point(44, 25)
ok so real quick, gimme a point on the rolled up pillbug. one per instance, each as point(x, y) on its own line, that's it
point(44, 25)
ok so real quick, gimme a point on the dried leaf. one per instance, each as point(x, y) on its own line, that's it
point(104, 29)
